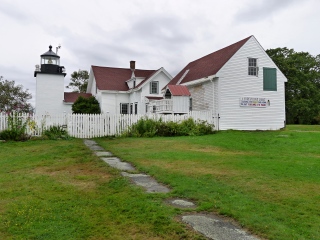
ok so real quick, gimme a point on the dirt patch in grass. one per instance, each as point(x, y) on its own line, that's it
point(193, 168)
point(82, 176)
point(162, 146)
point(217, 150)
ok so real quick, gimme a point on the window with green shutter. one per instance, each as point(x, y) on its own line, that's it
point(269, 79)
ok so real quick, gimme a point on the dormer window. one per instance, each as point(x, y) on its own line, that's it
point(253, 66)
point(134, 83)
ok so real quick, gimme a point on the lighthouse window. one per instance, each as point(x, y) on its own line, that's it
point(49, 60)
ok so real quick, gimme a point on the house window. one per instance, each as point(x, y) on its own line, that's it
point(131, 108)
point(147, 106)
point(253, 66)
point(154, 87)
point(269, 79)
point(190, 104)
point(136, 108)
point(134, 83)
point(124, 107)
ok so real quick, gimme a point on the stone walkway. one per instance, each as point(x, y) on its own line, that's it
point(209, 225)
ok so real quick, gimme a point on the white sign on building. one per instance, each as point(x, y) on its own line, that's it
point(253, 102)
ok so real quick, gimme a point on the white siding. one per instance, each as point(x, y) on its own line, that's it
point(135, 97)
point(163, 81)
point(202, 96)
point(215, 110)
point(93, 87)
point(180, 104)
point(110, 102)
point(234, 83)
point(145, 90)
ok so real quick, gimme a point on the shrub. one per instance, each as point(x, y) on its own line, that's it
point(149, 128)
point(16, 130)
point(56, 132)
point(143, 128)
point(86, 105)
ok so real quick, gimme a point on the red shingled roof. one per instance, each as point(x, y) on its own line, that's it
point(179, 90)
point(108, 78)
point(71, 97)
point(208, 65)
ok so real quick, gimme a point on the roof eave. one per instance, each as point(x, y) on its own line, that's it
point(155, 74)
point(201, 80)
point(113, 91)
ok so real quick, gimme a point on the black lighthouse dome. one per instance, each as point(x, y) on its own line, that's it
point(50, 57)
point(50, 63)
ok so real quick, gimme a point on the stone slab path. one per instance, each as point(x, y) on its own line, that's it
point(216, 228)
point(104, 154)
point(118, 164)
point(210, 225)
point(147, 182)
point(181, 203)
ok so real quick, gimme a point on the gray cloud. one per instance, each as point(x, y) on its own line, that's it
point(260, 10)
point(163, 29)
point(146, 40)
point(14, 12)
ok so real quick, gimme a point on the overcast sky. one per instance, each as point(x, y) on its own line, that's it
point(154, 33)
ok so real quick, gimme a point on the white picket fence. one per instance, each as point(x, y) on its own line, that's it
point(96, 125)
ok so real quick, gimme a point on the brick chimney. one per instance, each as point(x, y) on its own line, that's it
point(133, 65)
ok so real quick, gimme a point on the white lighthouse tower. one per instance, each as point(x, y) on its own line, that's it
point(49, 84)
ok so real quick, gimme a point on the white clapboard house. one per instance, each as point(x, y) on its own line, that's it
point(240, 84)
point(134, 91)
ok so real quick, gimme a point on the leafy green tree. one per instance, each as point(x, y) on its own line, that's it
point(79, 81)
point(86, 105)
point(14, 97)
point(303, 87)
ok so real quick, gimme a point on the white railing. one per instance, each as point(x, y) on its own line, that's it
point(96, 125)
point(160, 106)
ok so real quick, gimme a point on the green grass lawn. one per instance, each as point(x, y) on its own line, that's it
point(60, 190)
point(268, 181)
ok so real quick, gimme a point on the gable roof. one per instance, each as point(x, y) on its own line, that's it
point(208, 65)
point(71, 97)
point(178, 90)
point(108, 78)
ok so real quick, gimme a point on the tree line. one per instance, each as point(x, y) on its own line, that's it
point(302, 91)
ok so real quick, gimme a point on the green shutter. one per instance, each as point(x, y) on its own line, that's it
point(269, 79)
